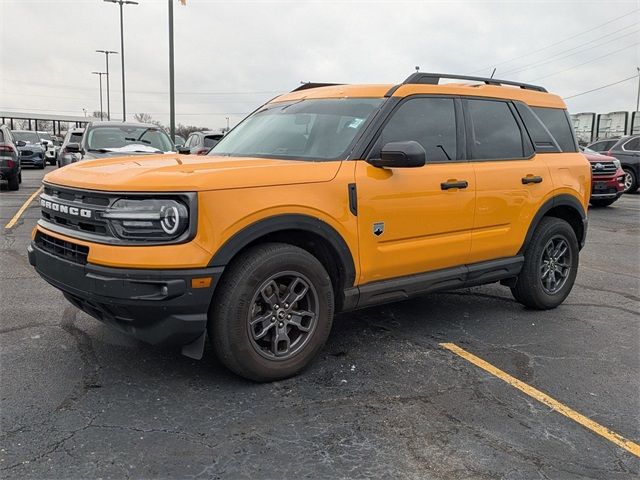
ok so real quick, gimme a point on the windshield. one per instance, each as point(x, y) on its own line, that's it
point(318, 129)
point(588, 150)
point(45, 136)
point(29, 137)
point(75, 138)
point(114, 137)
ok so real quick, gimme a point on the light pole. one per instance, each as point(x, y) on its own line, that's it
point(172, 93)
point(106, 55)
point(227, 123)
point(121, 3)
point(638, 97)
point(100, 76)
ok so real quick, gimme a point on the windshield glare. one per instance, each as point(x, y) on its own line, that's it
point(317, 129)
point(29, 137)
point(115, 137)
point(45, 136)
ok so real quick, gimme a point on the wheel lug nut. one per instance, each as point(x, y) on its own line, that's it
point(288, 316)
point(273, 319)
point(281, 324)
point(286, 305)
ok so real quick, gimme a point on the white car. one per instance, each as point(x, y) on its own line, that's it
point(50, 149)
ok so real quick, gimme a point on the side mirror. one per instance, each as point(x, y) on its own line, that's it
point(184, 150)
point(409, 154)
point(21, 143)
point(73, 147)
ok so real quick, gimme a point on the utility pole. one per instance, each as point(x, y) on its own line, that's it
point(172, 93)
point(106, 55)
point(638, 97)
point(121, 3)
point(100, 76)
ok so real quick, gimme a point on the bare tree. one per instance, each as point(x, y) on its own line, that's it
point(186, 130)
point(146, 118)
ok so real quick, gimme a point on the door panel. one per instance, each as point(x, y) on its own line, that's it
point(505, 205)
point(424, 227)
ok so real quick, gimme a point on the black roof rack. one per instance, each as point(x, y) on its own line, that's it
point(434, 79)
point(306, 86)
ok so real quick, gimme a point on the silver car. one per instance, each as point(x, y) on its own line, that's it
point(74, 135)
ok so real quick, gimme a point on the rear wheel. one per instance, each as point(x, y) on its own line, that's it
point(550, 265)
point(602, 203)
point(14, 182)
point(272, 313)
point(630, 180)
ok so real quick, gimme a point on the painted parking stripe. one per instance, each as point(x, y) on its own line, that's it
point(568, 412)
point(24, 206)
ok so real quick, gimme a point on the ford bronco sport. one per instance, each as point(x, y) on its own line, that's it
point(326, 199)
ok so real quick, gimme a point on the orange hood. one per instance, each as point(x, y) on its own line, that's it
point(186, 173)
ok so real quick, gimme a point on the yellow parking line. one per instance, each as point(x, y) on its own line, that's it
point(24, 206)
point(604, 432)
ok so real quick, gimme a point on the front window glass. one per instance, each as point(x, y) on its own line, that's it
point(211, 140)
point(128, 139)
point(29, 137)
point(75, 138)
point(429, 121)
point(316, 129)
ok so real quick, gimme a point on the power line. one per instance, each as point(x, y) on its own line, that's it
point(552, 58)
point(597, 27)
point(589, 61)
point(600, 88)
point(13, 110)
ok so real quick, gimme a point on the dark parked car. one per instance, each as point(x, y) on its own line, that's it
point(627, 150)
point(117, 139)
point(32, 153)
point(10, 170)
point(74, 135)
point(199, 143)
point(607, 178)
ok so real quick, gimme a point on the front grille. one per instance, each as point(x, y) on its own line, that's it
point(76, 210)
point(26, 153)
point(603, 168)
point(62, 248)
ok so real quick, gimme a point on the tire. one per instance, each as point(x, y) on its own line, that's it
point(532, 289)
point(630, 180)
point(246, 293)
point(20, 177)
point(601, 203)
point(14, 182)
point(44, 164)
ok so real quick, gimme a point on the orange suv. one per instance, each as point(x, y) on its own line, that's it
point(328, 198)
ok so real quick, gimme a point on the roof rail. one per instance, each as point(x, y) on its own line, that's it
point(306, 86)
point(434, 79)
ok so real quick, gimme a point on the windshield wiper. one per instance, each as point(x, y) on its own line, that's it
point(132, 139)
point(101, 150)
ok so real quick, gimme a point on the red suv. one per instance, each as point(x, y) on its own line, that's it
point(607, 178)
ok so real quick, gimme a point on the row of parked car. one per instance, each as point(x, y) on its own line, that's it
point(19, 148)
point(615, 168)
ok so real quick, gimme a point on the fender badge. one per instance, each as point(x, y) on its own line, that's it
point(378, 228)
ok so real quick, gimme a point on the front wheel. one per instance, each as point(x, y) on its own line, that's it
point(550, 265)
point(272, 312)
point(14, 182)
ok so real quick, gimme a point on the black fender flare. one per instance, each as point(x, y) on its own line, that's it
point(278, 223)
point(565, 200)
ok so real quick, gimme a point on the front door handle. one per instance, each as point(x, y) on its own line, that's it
point(454, 184)
point(531, 179)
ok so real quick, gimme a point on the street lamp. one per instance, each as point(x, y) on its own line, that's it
point(106, 55)
point(121, 3)
point(100, 76)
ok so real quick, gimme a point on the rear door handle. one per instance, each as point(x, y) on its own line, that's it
point(531, 179)
point(454, 184)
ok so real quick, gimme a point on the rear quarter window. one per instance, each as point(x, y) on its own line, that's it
point(558, 124)
point(495, 134)
point(632, 145)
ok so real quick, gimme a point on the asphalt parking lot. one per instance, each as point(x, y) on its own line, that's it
point(384, 400)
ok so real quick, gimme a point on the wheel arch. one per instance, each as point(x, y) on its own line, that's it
point(304, 231)
point(565, 207)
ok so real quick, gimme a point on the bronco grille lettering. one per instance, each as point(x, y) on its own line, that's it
point(58, 207)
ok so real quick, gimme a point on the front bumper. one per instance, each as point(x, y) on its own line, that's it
point(609, 187)
point(156, 306)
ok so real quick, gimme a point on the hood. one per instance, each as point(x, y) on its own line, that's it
point(596, 157)
point(182, 173)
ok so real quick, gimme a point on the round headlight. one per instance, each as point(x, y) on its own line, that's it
point(169, 219)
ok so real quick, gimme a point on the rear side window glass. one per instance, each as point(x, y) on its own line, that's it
point(603, 145)
point(429, 121)
point(75, 138)
point(558, 124)
point(632, 145)
point(495, 133)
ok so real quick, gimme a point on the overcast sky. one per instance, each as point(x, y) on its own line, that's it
point(232, 56)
